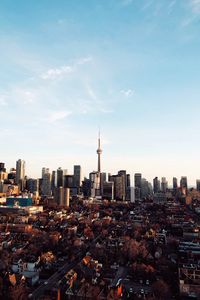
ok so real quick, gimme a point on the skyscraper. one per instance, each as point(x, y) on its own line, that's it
point(77, 176)
point(46, 184)
point(138, 185)
point(156, 185)
point(59, 177)
point(164, 185)
point(20, 170)
point(198, 185)
point(175, 183)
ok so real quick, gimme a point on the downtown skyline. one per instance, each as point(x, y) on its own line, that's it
point(130, 67)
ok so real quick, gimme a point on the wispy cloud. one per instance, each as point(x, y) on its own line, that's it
point(54, 73)
point(57, 72)
point(55, 116)
point(3, 100)
point(195, 5)
point(91, 92)
point(127, 93)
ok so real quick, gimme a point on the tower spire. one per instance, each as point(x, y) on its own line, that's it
point(99, 151)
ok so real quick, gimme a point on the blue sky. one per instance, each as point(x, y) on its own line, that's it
point(130, 67)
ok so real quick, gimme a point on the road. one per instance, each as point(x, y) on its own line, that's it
point(53, 280)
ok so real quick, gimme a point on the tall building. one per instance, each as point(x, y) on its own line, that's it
point(46, 184)
point(59, 177)
point(156, 185)
point(119, 186)
point(198, 185)
point(138, 185)
point(108, 190)
point(20, 173)
point(53, 181)
point(95, 183)
point(32, 185)
point(164, 185)
point(62, 196)
point(183, 185)
point(175, 183)
point(2, 167)
point(77, 176)
point(68, 181)
point(44, 171)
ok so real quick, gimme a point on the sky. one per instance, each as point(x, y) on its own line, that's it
point(128, 67)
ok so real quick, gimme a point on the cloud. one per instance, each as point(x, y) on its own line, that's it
point(84, 60)
point(91, 92)
point(127, 93)
point(57, 72)
point(3, 101)
point(195, 5)
point(57, 116)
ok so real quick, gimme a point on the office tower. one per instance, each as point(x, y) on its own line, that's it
point(86, 187)
point(68, 181)
point(108, 190)
point(12, 174)
point(62, 196)
point(164, 185)
point(77, 176)
point(144, 188)
point(138, 185)
point(183, 182)
point(99, 152)
point(119, 186)
point(102, 180)
point(183, 185)
point(2, 167)
point(126, 183)
point(20, 170)
point(59, 177)
point(32, 185)
point(95, 183)
point(128, 180)
point(156, 185)
point(53, 181)
point(198, 185)
point(46, 184)
point(44, 171)
point(175, 183)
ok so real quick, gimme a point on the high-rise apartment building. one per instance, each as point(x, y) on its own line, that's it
point(20, 171)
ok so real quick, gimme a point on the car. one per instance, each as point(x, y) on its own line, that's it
point(46, 282)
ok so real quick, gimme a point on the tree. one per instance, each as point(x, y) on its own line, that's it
point(161, 290)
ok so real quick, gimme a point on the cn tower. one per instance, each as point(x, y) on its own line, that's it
point(99, 151)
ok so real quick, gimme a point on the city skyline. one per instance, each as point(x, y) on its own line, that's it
point(130, 67)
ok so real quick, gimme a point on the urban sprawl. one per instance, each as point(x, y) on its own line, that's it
point(67, 237)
